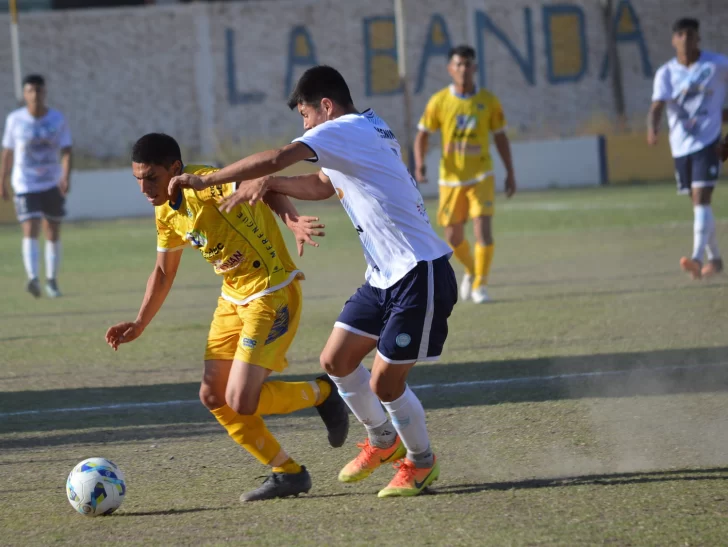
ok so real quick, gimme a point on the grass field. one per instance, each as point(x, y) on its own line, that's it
point(590, 403)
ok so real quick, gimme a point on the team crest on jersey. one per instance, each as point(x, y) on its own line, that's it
point(466, 123)
point(196, 238)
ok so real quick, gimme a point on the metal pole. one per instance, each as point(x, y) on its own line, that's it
point(399, 21)
point(15, 48)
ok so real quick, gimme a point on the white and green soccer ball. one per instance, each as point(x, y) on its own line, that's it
point(96, 487)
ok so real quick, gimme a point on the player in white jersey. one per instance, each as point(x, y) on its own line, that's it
point(693, 87)
point(410, 289)
point(37, 149)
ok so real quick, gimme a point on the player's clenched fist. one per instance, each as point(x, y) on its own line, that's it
point(186, 180)
point(123, 333)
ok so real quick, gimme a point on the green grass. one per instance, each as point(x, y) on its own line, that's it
point(582, 281)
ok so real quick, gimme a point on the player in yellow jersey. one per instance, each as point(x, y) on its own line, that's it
point(257, 314)
point(466, 116)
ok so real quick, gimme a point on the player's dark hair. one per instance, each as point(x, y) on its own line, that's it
point(34, 79)
point(464, 51)
point(320, 82)
point(686, 23)
point(156, 149)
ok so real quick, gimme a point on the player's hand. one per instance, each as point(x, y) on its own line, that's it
point(651, 137)
point(421, 175)
point(64, 186)
point(305, 228)
point(186, 180)
point(510, 185)
point(123, 333)
point(4, 194)
point(250, 191)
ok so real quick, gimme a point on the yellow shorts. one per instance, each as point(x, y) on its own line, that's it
point(259, 332)
point(458, 203)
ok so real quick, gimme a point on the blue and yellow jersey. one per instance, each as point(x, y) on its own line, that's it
point(466, 124)
point(244, 246)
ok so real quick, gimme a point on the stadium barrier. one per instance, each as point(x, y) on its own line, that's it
point(539, 165)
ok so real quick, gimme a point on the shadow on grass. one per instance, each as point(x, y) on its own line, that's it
point(166, 512)
point(173, 410)
point(613, 479)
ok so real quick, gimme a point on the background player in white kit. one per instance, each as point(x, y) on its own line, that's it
point(37, 148)
point(693, 86)
point(410, 289)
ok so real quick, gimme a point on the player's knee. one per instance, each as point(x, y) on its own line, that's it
point(210, 398)
point(328, 363)
point(243, 403)
point(385, 388)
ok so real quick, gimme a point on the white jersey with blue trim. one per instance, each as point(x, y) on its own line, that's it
point(694, 96)
point(362, 157)
point(37, 145)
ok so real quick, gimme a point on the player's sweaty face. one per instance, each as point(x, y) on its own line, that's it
point(312, 115)
point(153, 181)
point(462, 70)
point(685, 41)
point(34, 95)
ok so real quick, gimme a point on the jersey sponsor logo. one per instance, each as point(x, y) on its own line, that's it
point(422, 209)
point(216, 250)
point(464, 122)
point(385, 133)
point(249, 342)
point(196, 238)
point(189, 213)
point(257, 232)
point(230, 263)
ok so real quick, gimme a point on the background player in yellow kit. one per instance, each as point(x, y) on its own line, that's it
point(257, 313)
point(466, 116)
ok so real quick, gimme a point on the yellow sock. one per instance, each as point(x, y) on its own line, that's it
point(249, 432)
point(462, 253)
point(288, 466)
point(285, 397)
point(483, 259)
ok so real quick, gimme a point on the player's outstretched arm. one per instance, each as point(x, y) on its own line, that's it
point(305, 228)
point(6, 165)
point(253, 167)
point(158, 286)
point(422, 141)
point(503, 145)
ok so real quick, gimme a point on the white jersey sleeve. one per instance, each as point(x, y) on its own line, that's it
point(8, 134)
point(662, 88)
point(329, 145)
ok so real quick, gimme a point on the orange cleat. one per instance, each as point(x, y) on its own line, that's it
point(693, 267)
point(410, 480)
point(369, 459)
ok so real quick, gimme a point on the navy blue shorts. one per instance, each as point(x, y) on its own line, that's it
point(698, 170)
point(409, 319)
point(49, 204)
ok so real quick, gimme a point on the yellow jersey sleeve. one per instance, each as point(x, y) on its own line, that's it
point(497, 117)
point(430, 120)
point(167, 239)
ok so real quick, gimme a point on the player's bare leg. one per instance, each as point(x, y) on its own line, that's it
point(484, 250)
point(31, 254)
point(455, 237)
point(52, 232)
point(341, 359)
point(703, 228)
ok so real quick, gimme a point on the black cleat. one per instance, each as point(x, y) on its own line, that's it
point(33, 287)
point(334, 413)
point(280, 485)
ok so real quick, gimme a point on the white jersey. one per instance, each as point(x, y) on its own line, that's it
point(361, 156)
point(694, 97)
point(37, 144)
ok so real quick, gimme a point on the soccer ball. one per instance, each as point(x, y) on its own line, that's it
point(96, 487)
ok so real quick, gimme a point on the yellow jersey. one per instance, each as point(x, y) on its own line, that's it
point(466, 124)
point(244, 246)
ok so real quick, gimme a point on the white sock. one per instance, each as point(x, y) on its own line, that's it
point(408, 418)
point(360, 398)
point(30, 257)
point(712, 246)
point(703, 215)
point(52, 258)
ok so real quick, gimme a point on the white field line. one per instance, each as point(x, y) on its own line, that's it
point(420, 387)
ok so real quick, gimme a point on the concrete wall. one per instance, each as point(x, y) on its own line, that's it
point(221, 71)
